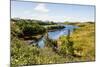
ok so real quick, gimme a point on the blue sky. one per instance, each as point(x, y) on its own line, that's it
point(52, 12)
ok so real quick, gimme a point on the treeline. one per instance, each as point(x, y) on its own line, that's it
point(53, 28)
point(27, 27)
point(34, 21)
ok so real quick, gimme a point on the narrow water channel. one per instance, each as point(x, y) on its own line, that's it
point(54, 35)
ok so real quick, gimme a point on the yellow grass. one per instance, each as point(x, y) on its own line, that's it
point(84, 41)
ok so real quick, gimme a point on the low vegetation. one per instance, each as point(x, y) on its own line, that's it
point(79, 46)
point(83, 42)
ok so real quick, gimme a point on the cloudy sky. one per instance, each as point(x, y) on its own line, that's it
point(52, 12)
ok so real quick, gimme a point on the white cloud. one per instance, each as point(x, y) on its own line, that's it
point(41, 8)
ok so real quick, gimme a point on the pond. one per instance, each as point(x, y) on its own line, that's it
point(54, 35)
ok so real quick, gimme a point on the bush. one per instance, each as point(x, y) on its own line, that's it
point(66, 47)
point(23, 54)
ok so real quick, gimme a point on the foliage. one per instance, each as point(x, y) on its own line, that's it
point(56, 27)
point(32, 30)
point(21, 53)
point(24, 54)
point(32, 21)
point(82, 43)
point(66, 47)
point(78, 47)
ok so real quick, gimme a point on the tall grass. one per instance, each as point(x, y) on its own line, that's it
point(83, 39)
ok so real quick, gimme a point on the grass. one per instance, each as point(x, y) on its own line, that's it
point(79, 47)
point(83, 40)
point(24, 54)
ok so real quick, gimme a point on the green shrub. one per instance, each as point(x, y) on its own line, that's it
point(22, 53)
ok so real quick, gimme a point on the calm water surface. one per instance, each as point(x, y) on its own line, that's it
point(54, 35)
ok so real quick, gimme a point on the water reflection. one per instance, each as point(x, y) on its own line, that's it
point(54, 35)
